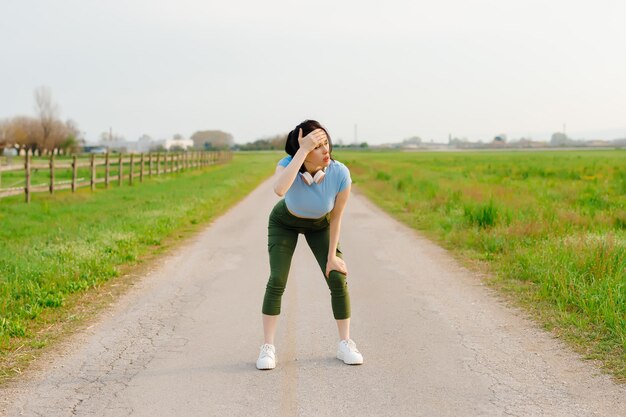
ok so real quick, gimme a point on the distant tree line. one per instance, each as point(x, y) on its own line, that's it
point(41, 135)
point(277, 142)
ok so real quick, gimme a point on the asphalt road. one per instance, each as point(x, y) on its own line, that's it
point(436, 342)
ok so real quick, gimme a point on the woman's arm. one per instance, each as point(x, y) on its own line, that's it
point(334, 262)
point(286, 175)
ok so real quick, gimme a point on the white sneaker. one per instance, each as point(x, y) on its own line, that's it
point(348, 353)
point(267, 357)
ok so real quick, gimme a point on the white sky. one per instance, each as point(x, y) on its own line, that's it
point(472, 68)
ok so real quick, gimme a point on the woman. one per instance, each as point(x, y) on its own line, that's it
point(316, 189)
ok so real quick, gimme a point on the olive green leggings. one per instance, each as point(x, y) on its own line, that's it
point(283, 230)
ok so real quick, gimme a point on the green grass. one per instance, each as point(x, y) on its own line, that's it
point(61, 245)
point(550, 227)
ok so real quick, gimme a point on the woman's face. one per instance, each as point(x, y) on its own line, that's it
point(319, 157)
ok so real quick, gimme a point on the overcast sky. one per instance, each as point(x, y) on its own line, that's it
point(470, 68)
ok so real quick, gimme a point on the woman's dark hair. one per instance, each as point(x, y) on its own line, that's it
point(292, 145)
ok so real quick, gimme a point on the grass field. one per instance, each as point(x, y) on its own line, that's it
point(57, 248)
point(549, 227)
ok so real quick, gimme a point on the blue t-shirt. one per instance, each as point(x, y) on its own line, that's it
point(315, 200)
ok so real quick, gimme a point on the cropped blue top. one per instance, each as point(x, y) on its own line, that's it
point(315, 200)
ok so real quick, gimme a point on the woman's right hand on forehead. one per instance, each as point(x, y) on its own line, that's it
point(312, 140)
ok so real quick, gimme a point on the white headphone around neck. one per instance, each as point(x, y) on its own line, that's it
point(319, 175)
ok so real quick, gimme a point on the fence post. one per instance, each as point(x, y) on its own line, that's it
point(141, 169)
point(158, 163)
point(27, 179)
point(106, 170)
point(51, 173)
point(74, 169)
point(120, 171)
point(130, 175)
point(150, 164)
point(93, 172)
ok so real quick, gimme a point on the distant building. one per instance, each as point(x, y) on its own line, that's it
point(178, 143)
point(599, 142)
point(146, 144)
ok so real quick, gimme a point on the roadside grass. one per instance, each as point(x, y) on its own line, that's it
point(549, 228)
point(59, 252)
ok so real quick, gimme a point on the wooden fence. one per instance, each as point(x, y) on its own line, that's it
point(138, 165)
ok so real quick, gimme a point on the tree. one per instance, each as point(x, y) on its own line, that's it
point(108, 138)
point(500, 138)
point(212, 139)
point(47, 111)
point(23, 133)
point(71, 141)
point(278, 141)
point(414, 140)
point(4, 135)
point(560, 139)
point(263, 144)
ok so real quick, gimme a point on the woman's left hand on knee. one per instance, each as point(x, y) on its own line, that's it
point(336, 264)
